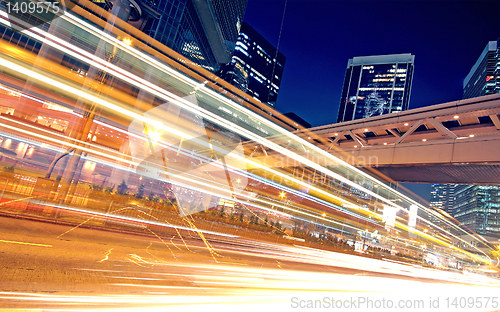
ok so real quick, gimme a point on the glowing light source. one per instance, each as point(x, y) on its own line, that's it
point(456, 116)
point(154, 135)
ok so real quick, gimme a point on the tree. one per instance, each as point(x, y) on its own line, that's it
point(122, 188)
point(140, 191)
point(9, 169)
point(154, 199)
point(109, 189)
point(96, 187)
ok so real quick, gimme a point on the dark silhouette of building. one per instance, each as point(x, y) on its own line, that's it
point(296, 118)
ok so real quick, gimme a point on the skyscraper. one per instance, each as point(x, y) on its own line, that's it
point(478, 206)
point(442, 196)
point(256, 67)
point(376, 85)
point(204, 31)
point(484, 76)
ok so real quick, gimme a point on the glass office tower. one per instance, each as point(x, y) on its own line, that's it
point(256, 67)
point(376, 85)
point(204, 31)
point(484, 76)
point(442, 196)
point(478, 206)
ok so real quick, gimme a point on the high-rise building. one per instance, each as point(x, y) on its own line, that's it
point(297, 119)
point(442, 196)
point(204, 31)
point(376, 85)
point(256, 67)
point(478, 208)
point(484, 76)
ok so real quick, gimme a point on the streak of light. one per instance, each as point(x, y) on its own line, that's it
point(155, 90)
point(162, 286)
point(106, 256)
point(188, 106)
point(164, 243)
point(137, 278)
point(134, 220)
point(24, 243)
point(160, 125)
point(16, 200)
point(195, 84)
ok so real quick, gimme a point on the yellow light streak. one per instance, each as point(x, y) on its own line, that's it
point(159, 125)
point(106, 256)
point(24, 243)
point(161, 66)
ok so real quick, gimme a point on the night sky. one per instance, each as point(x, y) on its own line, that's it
point(319, 36)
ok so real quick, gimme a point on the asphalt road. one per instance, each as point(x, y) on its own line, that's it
point(50, 266)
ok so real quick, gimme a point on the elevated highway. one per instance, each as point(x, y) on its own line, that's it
point(455, 142)
point(139, 121)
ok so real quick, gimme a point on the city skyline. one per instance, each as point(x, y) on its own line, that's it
point(445, 37)
point(135, 178)
point(445, 48)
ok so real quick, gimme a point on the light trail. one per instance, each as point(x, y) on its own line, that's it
point(183, 103)
point(145, 85)
point(161, 126)
point(24, 243)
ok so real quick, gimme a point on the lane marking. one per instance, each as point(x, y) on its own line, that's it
point(23, 243)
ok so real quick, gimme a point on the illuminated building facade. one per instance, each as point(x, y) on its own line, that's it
point(92, 105)
point(256, 67)
point(442, 196)
point(376, 85)
point(204, 31)
point(478, 208)
point(484, 76)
